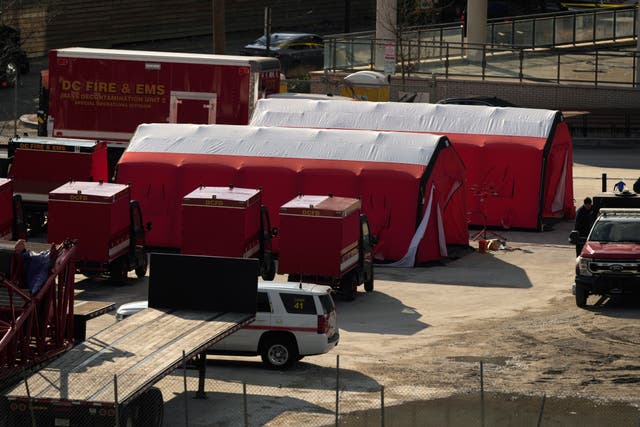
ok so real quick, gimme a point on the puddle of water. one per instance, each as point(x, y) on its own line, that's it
point(500, 410)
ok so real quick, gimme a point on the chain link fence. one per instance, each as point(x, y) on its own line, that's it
point(479, 394)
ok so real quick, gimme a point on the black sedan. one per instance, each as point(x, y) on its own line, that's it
point(298, 53)
point(13, 59)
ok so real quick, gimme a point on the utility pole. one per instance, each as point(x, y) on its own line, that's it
point(218, 27)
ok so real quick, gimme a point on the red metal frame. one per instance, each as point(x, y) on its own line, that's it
point(34, 328)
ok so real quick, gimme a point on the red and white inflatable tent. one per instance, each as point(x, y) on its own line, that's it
point(410, 185)
point(518, 160)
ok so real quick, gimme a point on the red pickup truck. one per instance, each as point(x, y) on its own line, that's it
point(609, 263)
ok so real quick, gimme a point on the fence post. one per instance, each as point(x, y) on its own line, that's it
point(116, 404)
point(184, 381)
point(481, 393)
point(484, 61)
point(30, 403)
point(595, 78)
point(521, 57)
point(246, 408)
point(544, 398)
point(337, 387)
point(382, 405)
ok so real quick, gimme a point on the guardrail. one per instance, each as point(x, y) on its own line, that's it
point(432, 49)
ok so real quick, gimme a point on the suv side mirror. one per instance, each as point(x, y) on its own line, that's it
point(573, 236)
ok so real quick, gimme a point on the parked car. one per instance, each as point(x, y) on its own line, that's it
point(293, 320)
point(13, 59)
point(298, 53)
point(491, 101)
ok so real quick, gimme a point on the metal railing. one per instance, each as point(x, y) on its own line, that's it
point(515, 47)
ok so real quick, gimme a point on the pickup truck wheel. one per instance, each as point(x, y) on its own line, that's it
point(279, 352)
point(581, 296)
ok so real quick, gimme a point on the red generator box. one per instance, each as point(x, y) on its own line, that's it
point(6, 209)
point(319, 235)
point(97, 214)
point(221, 221)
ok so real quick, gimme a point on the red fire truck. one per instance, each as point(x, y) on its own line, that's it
point(340, 255)
point(106, 223)
point(230, 222)
point(106, 93)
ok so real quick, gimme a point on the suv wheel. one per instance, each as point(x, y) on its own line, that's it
point(279, 352)
point(581, 296)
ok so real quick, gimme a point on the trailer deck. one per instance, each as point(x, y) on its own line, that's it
point(194, 302)
point(139, 350)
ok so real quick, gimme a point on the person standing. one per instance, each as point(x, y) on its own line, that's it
point(585, 217)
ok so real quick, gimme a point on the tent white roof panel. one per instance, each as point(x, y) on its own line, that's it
point(370, 146)
point(412, 117)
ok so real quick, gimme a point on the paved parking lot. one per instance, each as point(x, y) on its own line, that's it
point(424, 327)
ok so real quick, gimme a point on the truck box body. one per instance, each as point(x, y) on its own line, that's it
point(319, 235)
point(6, 208)
point(194, 302)
point(94, 213)
point(221, 221)
point(107, 93)
point(41, 164)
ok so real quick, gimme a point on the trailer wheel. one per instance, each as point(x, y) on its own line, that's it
point(270, 271)
point(581, 296)
point(118, 270)
point(279, 352)
point(348, 287)
point(141, 270)
point(368, 284)
point(151, 411)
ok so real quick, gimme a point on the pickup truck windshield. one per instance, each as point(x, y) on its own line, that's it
point(616, 231)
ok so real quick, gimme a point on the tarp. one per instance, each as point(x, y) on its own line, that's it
point(518, 160)
point(396, 175)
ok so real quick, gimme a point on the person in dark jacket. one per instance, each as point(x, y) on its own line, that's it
point(585, 217)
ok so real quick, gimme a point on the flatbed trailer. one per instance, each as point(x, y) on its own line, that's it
point(194, 302)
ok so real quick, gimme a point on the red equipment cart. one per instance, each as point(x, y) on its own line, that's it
point(106, 223)
point(39, 165)
point(230, 222)
point(325, 239)
point(12, 221)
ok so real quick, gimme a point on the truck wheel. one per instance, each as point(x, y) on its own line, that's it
point(141, 269)
point(270, 271)
point(118, 270)
point(348, 287)
point(368, 285)
point(279, 352)
point(581, 296)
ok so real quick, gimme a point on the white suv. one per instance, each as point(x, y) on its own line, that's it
point(293, 320)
